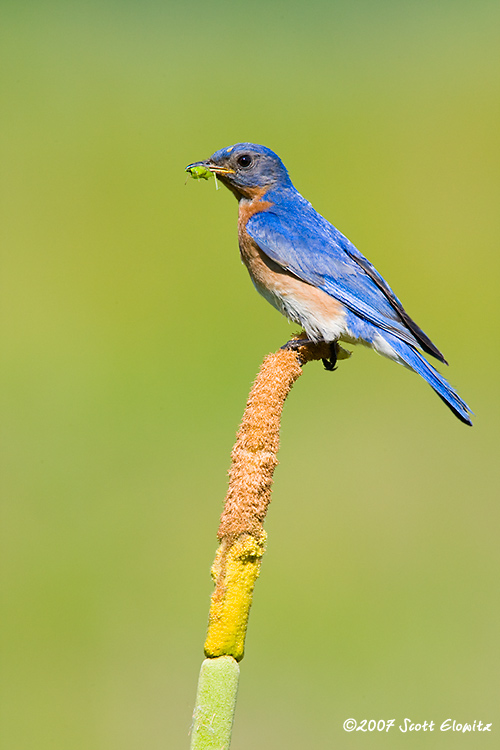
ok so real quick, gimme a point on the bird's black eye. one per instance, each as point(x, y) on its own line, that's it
point(244, 160)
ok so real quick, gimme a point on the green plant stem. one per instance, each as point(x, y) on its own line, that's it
point(215, 704)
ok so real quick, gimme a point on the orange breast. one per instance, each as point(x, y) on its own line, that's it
point(319, 313)
point(272, 279)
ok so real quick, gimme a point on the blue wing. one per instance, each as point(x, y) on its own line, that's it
point(300, 240)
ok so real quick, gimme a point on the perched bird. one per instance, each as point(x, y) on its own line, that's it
point(313, 274)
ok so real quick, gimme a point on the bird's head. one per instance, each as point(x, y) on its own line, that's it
point(246, 169)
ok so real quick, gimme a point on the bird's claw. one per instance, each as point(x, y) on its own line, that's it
point(330, 363)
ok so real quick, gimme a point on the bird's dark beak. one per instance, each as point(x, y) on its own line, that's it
point(217, 169)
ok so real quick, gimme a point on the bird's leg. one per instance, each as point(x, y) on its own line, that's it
point(329, 364)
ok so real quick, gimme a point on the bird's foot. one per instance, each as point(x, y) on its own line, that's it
point(295, 344)
point(332, 348)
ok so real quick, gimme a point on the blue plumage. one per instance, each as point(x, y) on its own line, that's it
point(312, 273)
point(326, 264)
point(413, 359)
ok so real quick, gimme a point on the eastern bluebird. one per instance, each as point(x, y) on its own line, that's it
point(313, 274)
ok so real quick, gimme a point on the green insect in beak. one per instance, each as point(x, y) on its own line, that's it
point(202, 173)
point(199, 173)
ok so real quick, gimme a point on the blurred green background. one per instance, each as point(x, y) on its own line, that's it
point(131, 334)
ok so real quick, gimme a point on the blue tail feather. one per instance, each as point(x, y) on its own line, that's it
point(419, 364)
